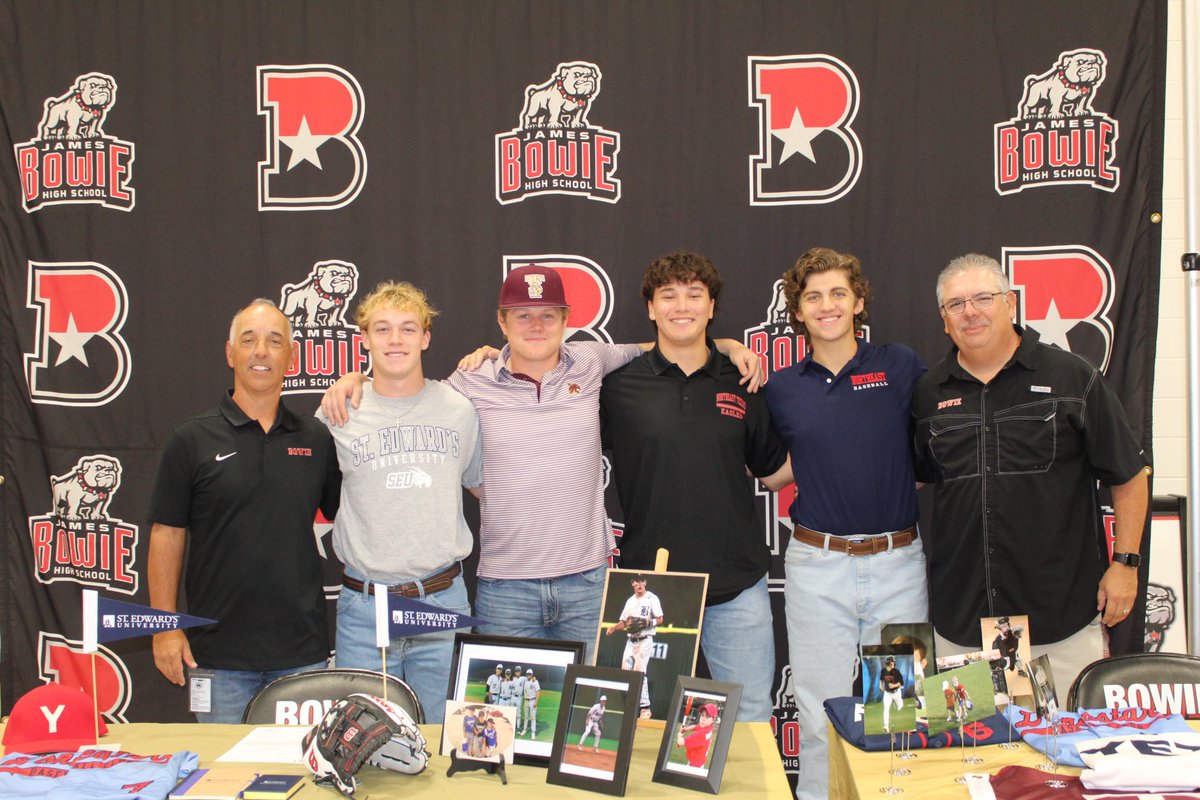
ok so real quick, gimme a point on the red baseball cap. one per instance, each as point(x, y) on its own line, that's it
point(52, 718)
point(710, 710)
point(531, 286)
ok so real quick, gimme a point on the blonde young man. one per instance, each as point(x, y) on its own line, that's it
point(405, 454)
point(544, 538)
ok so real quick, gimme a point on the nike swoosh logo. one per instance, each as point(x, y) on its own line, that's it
point(227, 455)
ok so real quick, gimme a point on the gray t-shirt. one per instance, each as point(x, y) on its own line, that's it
point(404, 461)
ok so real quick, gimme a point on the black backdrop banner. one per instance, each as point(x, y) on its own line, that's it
point(172, 161)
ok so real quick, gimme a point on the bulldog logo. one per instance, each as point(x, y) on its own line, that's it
point(1160, 615)
point(325, 345)
point(85, 492)
point(72, 160)
point(79, 114)
point(1066, 90)
point(554, 149)
point(564, 100)
point(322, 299)
point(1057, 137)
point(78, 541)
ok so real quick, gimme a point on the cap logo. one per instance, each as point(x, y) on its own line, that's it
point(52, 717)
point(534, 282)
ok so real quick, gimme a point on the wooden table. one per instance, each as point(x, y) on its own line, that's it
point(857, 775)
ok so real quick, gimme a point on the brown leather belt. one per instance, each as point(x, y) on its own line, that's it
point(855, 545)
point(434, 583)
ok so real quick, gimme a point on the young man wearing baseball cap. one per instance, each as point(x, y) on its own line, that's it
point(683, 432)
point(544, 537)
point(405, 454)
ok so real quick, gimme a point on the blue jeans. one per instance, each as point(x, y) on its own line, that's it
point(422, 661)
point(232, 689)
point(738, 638)
point(543, 608)
point(836, 603)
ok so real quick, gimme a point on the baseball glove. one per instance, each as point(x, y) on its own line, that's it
point(636, 625)
point(363, 728)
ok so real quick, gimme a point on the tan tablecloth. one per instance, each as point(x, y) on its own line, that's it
point(753, 769)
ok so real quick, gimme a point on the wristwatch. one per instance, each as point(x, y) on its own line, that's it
point(1128, 559)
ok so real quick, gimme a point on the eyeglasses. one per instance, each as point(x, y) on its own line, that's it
point(980, 301)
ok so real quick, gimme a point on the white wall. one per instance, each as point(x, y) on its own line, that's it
point(1170, 378)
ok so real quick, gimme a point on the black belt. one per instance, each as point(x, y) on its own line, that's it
point(856, 545)
point(434, 583)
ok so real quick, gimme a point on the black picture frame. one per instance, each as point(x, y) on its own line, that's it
point(676, 763)
point(605, 768)
point(476, 656)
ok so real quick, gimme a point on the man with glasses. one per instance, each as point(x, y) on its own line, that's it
point(1015, 434)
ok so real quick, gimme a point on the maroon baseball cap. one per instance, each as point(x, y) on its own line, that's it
point(51, 718)
point(531, 286)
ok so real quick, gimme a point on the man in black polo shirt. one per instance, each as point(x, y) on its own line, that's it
point(1015, 434)
point(240, 485)
point(682, 432)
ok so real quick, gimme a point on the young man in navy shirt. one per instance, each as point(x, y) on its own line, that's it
point(855, 562)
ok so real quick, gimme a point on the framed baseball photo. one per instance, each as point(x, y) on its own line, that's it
point(593, 740)
point(650, 623)
point(526, 675)
point(696, 740)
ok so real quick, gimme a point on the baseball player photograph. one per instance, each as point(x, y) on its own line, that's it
point(968, 696)
point(888, 678)
point(919, 635)
point(650, 623)
point(593, 744)
point(594, 724)
point(1045, 696)
point(1010, 635)
point(696, 734)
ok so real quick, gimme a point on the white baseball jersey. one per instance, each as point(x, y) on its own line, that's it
point(595, 714)
point(648, 606)
point(532, 687)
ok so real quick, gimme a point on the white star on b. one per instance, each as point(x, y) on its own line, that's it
point(71, 343)
point(1053, 329)
point(796, 138)
point(304, 146)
